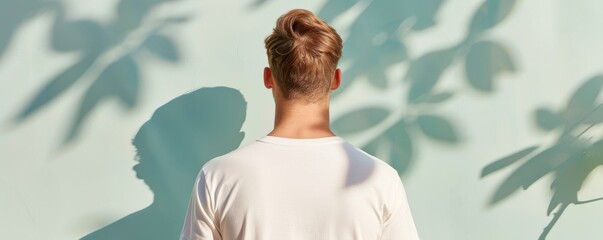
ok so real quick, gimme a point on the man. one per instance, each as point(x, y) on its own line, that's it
point(301, 180)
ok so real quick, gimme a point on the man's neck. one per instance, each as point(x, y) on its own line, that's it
point(296, 120)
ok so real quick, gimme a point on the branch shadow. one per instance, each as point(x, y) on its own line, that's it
point(117, 78)
point(570, 159)
point(377, 41)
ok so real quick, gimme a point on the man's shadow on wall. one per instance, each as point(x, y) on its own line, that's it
point(180, 137)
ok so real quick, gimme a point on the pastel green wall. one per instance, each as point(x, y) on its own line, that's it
point(70, 104)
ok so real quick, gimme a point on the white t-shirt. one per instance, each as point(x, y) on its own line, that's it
point(278, 188)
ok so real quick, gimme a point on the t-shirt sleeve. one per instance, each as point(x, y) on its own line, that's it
point(200, 220)
point(399, 223)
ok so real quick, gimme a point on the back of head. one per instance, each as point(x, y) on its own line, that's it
point(303, 52)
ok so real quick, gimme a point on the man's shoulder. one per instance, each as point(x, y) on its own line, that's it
point(382, 173)
point(233, 160)
point(379, 163)
point(244, 159)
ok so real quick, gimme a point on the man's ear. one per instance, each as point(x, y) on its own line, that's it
point(268, 81)
point(336, 79)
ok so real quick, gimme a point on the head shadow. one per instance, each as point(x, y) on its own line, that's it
point(171, 147)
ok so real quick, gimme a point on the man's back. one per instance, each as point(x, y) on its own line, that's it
point(289, 188)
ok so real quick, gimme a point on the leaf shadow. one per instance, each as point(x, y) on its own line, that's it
point(377, 40)
point(570, 159)
point(117, 78)
point(13, 14)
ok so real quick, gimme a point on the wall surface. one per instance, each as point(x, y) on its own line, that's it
point(489, 110)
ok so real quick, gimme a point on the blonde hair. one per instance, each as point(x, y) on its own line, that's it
point(303, 52)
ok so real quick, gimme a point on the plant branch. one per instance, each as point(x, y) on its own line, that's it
point(556, 217)
point(586, 117)
point(589, 201)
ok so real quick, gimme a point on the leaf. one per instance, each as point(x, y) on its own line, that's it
point(359, 120)
point(13, 14)
point(5, 37)
point(425, 72)
point(130, 13)
point(163, 47)
point(583, 100)
point(377, 78)
point(56, 86)
point(333, 8)
point(434, 98)
point(374, 44)
point(437, 128)
point(372, 60)
point(386, 54)
point(506, 161)
point(120, 80)
point(484, 62)
point(571, 176)
point(401, 151)
point(489, 14)
point(547, 119)
point(424, 12)
point(533, 169)
point(129, 83)
point(82, 35)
